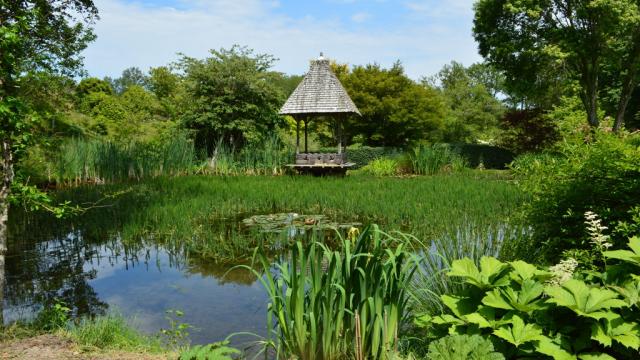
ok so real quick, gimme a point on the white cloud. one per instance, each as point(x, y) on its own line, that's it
point(131, 34)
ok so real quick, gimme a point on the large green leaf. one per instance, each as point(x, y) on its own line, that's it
point(595, 303)
point(526, 300)
point(524, 271)
point(632, 256)
point(459, 305)
point(519, 333)
point(551, 348)
point(626, 333)
point(594, 356)
point(492, 272)
point(463, 347)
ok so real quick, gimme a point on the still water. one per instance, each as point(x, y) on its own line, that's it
point(94, 273)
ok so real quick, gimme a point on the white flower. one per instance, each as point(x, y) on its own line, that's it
point(596, 229)
point(563, 271)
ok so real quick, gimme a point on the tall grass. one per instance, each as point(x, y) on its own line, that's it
point(268, 157)
point(333, 304)
point(90, 160)
point(433, 159)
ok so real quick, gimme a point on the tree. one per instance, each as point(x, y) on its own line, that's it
point(93, 85)
point(231, 97)
point(474, 112)
point(34, 35)
point(132, 76)
point(537, 43)
point(396, 111)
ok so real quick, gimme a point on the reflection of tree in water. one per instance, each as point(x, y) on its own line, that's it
point(52, 260)
point(45, 264)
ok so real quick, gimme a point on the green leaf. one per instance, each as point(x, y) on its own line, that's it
point(617, 329)
point(459, 305)
point(584, 301)
point(632, 256)
point(549, 347)
point(526, 300)
point(524, 271)
point(594, 356)
point(519, 333)
point(491, 273)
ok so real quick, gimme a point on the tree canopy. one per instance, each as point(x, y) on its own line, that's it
point(542, 45)
point(396, 111)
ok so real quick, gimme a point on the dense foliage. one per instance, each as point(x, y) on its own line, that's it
point(603, 177)
point(555, 313)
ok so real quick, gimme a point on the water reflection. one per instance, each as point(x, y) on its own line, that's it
point(93, 272)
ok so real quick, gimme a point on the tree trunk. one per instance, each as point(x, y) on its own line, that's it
point(6, 171)
point(629, 82)
point(590, 95)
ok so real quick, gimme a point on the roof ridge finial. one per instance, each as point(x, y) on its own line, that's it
point(321, 56)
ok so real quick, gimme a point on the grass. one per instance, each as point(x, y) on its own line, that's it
point(112, 332)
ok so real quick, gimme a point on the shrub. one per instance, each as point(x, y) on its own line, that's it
point(528, 130)
point(603, 177)
point(528, 311)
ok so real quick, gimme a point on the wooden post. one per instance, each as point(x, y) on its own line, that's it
point(339, 132)
point(297, 135)
point(306, 127)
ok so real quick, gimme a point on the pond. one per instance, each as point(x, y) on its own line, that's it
point(168, 244)
point(94, 273)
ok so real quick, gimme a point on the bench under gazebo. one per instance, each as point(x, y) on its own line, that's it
point(320, 94)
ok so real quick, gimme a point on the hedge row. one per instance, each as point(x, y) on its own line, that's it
point(491, 157)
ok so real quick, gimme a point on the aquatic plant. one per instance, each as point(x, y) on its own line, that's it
point(327, 304)
point(433, 159)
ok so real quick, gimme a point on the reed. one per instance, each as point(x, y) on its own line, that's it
point(97, 161)
point(333, 304)
point(434, 159)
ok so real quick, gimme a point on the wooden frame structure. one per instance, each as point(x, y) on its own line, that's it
point(320, 94)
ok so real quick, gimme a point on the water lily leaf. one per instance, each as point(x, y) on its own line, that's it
point(584, 301)
point(549, 347)
point(519, 333)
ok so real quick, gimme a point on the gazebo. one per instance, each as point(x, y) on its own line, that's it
point(320, 94)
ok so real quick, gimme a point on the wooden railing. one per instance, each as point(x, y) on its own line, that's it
point(320, 159)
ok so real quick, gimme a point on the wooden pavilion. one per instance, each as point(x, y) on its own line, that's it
point(320, 94)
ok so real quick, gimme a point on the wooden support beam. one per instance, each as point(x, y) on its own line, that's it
point(297, 135)
point(339, 132)
point(306, 127)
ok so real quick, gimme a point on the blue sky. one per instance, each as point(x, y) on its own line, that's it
point(423, 34)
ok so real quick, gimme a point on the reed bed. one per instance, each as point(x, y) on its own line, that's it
point(204, 212)
point(97, 161)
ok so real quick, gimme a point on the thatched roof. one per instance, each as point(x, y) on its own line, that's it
point(320, 92)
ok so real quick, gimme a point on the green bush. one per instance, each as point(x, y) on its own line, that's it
point(362, 155)
point(602, 177)
point(557, 313)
